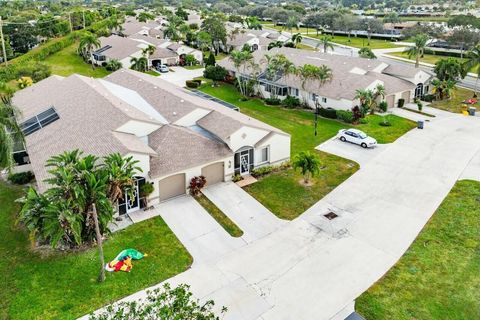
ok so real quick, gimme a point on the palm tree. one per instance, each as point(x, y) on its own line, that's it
point(418, 49)
point(473, 64)
point(114, 23)
point(292, 22)
point(241, 59)
point(308, 163)
point(139, 64)
point(145, 16)
point(278, 66)
point(253, 23)
point(120, 172)
point(326, 43)
point(309, 72)
point(296, 39)
point(275, 44)
point(10, 132)
point(377, 93)
point(171, 32)
point(88, 42)
point(149, 50)
point(366, 99)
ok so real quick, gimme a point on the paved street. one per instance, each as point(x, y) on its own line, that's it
point(313, 267)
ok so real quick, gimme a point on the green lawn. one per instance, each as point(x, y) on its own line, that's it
point(427, 58)
point(37, 285)
point(194, 67)
point(360, 42)
point(438, 277)
point(152, 73)
point(219, 216)
point(67, 62)
point(280, 192)
point(455, 104)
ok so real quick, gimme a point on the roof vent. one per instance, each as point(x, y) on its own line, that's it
point(174, 113)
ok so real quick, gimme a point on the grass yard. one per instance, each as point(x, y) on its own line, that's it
point(67, 62)
point(194, 67)
point(152, 73)
point(280, 192)
point(427, 58)
point(305, 47)
point(438, 277)
point(455, 104)
point(359, 42)
point(64, 286)
point(219, 216)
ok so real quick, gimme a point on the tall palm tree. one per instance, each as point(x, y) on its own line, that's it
point(366, 100)
point(88, 42)
point(253, 23)
point(473, 63)
point(309, 72)
point(149, 50)
point(326, 43)
point(418, 49)
point(10, 132)
point(296, 39)
point(241, 59)
point(114, 23)
point(139, 64)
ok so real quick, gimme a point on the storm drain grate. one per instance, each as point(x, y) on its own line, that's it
point(331, 215)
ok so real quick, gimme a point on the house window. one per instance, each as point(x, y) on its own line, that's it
point(264, 155)
point(324, 100)
point(314, 97)
point(294, 92)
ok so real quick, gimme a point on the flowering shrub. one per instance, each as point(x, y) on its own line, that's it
point(196, 185)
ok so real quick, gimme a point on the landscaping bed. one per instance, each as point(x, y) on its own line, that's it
point(454, 104)
point(53, 285)
point(280, 191)
point(438, 276)
point(219, 216)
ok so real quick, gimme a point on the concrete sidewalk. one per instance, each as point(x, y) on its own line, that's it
point(313, 268)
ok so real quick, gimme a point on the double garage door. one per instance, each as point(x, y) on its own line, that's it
point(176, 185)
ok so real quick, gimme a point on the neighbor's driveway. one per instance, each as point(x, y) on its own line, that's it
point(252, 217)
point(351, 151)
point(179, 75)
point(312, 268)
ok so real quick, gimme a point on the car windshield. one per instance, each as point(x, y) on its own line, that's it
point(361, 135)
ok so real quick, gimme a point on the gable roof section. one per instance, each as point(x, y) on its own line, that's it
point(179, 148)
point(219, 124)
point(121, 47)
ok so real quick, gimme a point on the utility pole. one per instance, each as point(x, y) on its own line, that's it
point(70, 22)
point(3, 42)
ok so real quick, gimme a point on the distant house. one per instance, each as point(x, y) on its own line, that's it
point(133, 27)
point(255, 39)
point(349, 74)
point(117, 48)
point(174, 134)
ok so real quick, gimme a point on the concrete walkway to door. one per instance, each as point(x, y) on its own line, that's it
point(253, 218)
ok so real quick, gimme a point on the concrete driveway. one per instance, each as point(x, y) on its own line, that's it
point(252, 217)
point(203, 237)
point(351, 151)
point(313, 269)
point(179, 75)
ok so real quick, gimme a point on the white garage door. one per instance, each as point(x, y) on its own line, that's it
point(213, 173)
point(172, 186)
point(390, 100)
point(406, 96)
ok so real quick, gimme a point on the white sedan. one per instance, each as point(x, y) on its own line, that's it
point(357, 137)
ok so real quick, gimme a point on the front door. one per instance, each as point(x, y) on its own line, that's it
point(132, 199)
point(244, 164)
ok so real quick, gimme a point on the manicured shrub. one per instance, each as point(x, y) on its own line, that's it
point(328, 113)
point(210, 60)
point(192, 84)
point(345, 115)
point(273, 101)
point(419, 105)
point(215, 73)
point(262, 171)
point(363, 121)
point(428, 98)
point(356, 113)
point(24, 82)
point(35, 70)
point(291, 102)
point(21, 177)
point(237, 178)
point(113, 65)
point(401, 103)
point(196, 185)
point(383, 105)
point(199, 81)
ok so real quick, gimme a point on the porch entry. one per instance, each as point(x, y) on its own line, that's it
point(131, 200)
point(244, 161)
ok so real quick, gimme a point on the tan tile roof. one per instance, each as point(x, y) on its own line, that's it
point(180, 148)
point(121, 47)
point(219, 124)
point(163, 53)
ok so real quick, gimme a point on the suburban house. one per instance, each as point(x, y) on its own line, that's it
point(255, 39)
point(174, 134)
point(124, 49)
point(151, 28)
point(348, 75)
point(117, 48)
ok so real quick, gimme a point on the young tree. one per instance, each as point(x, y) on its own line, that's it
point(253, 23)
point(308, 163)
point(139, 64)
point(296, 39)
point(366, 53)
point(162, 303)
point(326, 43)
point(145, 16)
point(308, 72)
point(278, 66)
point(10, 132)
point(418, 49)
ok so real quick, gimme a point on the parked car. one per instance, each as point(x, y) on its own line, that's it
point(357, 137)
point(163, 68)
